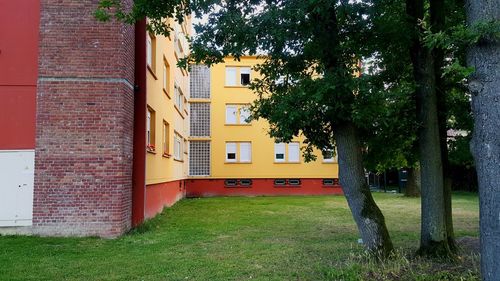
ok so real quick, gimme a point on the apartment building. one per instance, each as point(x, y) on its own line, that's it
point(230, 155)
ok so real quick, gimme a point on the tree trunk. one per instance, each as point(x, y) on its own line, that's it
point(368, 217)
point(437, 16)
point(413, 183)
point(484, 85)
point(433, 239)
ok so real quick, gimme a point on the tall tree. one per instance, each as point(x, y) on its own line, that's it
point(433, 239)
point(484, 85)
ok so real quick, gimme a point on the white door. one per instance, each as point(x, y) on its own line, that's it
point(16, 187)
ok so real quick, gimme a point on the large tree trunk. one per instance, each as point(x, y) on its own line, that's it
point(484, 85)
point(368, 217)
point(433, 239)
point(413, 183)
point(437, 16)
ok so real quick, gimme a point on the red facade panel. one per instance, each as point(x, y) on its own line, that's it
point(163, 195)
point(19, 21)
point(17, 117)
point(19, 27)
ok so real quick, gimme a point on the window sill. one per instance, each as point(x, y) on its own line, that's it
point(150, 151)
point(152, 72)
point(226, 162)
point(238, 125)
point(166, 155)
point(166, 93)
point(236, 86)
point(179, 160)
point(287, 162)
point(179, 111)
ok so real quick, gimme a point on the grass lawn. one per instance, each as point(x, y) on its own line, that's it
point(260, 238)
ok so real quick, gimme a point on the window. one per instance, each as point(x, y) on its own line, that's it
point(179, 98)
point(279, 152)
point(233, 73)
point(178, 147)
point(245, 152)
point(230, 182)
point(150, 130)
point(238, 152)
point(329, 156)
point(231, 148)
point(293, 152)
point(237, 114)
point(279, 182)
point(166, 129)
point(328, 182)
point(231, 114)
point(151, 52)
point(230, 76)
point(246, 182)
point(245, 76)
point(244, 115)
point(166, 76)
point(294, 182)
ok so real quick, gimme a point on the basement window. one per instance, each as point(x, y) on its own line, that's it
point(328, 182)
point(280, 182)
point(294, 182)
point(231, 183)
point(245, 182)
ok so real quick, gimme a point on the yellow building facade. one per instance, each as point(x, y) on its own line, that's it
point(233, 153)
point(167, 120)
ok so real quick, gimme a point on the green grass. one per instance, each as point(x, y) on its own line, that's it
point(260, 238)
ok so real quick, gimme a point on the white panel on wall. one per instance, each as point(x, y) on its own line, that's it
point(16, 187)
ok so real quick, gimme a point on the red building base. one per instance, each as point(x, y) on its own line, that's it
point(259, 187)
point(163, 195)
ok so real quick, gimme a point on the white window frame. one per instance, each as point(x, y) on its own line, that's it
point(230, 71)
point(280, 148)
point(149, 51)
point(177, 147)
point(165, 84)
point(148, 127)
point(244, 114)
point(245, 70)
point(294, 152)
point(232, 147)
point(245, 152)
point(231, 114)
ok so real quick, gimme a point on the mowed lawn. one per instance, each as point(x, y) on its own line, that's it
point(259, 238)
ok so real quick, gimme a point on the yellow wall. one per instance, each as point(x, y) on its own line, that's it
point(262, 165)
point(158, 167)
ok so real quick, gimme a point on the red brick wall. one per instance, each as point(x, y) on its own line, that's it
point(84, 127)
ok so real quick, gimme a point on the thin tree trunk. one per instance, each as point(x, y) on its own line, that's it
point(437, 16)
point(368, 217)
point(433, 239)
point(484, 85)
point(413, 183)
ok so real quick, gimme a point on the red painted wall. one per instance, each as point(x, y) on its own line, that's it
point(19, 25)
point(260, 187)
point(140, 105)
point(163, 195)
